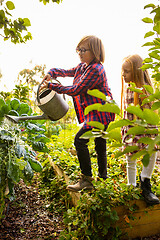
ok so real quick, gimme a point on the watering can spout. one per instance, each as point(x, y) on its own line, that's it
point(16, 119)
point(53, 106)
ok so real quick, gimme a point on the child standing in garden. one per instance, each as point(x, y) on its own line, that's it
point(132, 73)
point(89, 74)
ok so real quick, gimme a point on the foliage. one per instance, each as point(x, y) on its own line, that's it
point(19, 145)
point(21, 92)
point(17, 161)
point(13, 29)
point(53, 188)
point(94, 217)
point(47, 1)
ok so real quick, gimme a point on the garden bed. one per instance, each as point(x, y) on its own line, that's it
point(141, 221)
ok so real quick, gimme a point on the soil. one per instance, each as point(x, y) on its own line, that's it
point(27, 217)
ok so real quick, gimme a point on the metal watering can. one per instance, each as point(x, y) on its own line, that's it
point(54, 107)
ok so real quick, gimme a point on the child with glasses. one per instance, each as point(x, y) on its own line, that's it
point(132, 72)
point(89, 74)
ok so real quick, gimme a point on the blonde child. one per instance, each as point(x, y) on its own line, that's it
point(132, 72)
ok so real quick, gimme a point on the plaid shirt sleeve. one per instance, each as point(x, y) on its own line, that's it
point(58, 72)
point(88, 80)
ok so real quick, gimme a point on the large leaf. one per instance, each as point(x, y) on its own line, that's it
point(148, 88)
point(150, 116)
point(36, 166)
point(13, 171)
point(137, 130)
point(23, 108)
point(128, 149)
point(92, 107)
point(145, 140)
point(97, 93)
point(96, 124)
point(114, 134)
point(109, 107)
point(119, 123)
point(138, 154)
point(145, 160)
point(135, 110)
point(15, 103)
point(87, 135)
point(156, 105)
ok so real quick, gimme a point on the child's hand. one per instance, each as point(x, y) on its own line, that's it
point(45, 82)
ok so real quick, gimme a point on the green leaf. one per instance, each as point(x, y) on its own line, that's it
point(135, 89)
point(15, 103)
point(148, 44)
point(13, 113)
point(90, 134)
point(92, 107)
point(35, 165)
point(13, 171)
point(148, 88)
point(157, 27)
point(27, 22)
point(96, 124)
point(10, 5)
point(149, 5)
point(135, 110)
point(154, 54)
point(147, 20)
point(2, 102)
point(138, 154)
point(119, 123)
point(150, 116)
point(128, 149)
point(156, 105)
point(115, 134)
point(146, 66)
point(137, 130)
point(145, 160)
point(23, 108)
point(2, 14)
point(148, 60)
point(97, 93)
point(109, 107)
point(148, 34)
point(145, 140)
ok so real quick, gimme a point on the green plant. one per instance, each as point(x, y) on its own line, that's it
point(53, 189)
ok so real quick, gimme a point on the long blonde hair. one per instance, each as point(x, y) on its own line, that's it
point(139, 77)
point(96, 46)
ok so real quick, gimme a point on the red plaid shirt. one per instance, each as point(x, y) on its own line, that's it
point(92, 76)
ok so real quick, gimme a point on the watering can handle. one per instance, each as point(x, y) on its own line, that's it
point(38, 98)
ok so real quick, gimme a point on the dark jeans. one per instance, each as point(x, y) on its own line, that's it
point(84, 156)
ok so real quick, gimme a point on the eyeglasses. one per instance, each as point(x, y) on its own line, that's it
point(81, 50)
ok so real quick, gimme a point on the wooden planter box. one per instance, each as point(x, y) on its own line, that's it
point(144, 221)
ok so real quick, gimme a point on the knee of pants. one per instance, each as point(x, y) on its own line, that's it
point(80, 142)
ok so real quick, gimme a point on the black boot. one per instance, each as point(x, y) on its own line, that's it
point(148, 195)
